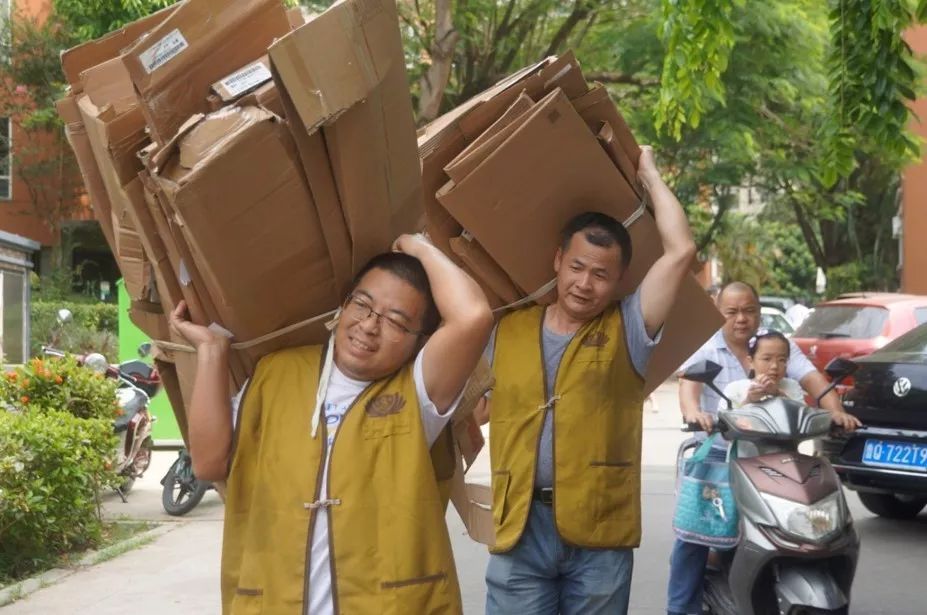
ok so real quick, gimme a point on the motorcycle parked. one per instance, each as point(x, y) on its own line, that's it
point(138, 383)
point(182, 490)
point(798, 549)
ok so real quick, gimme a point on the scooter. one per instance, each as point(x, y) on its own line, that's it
point(798, 549)
point(138, 383)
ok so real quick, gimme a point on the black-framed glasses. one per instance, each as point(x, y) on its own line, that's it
point(359, 310)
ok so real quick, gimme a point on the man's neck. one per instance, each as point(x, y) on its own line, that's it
point(737, 348)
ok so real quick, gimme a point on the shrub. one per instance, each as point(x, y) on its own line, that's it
point(94, 328)
point(59, 384)
point(52, 467)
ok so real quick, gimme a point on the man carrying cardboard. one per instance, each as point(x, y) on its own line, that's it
point(337, 510)
point(565, 418)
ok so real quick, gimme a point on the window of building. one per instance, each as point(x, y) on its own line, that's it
point(6, 158)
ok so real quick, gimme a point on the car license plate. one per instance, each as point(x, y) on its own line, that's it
point(893, 454)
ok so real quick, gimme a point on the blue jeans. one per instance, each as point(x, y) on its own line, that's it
point(687, 569)
point(541, 575)
point(687, 575)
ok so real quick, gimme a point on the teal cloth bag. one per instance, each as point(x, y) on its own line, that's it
point(706, 512)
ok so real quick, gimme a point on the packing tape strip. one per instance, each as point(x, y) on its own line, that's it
point(334, 314)
point(634, 217)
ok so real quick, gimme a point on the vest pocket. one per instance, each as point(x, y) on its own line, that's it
point(389, 425)
point(424, 594)
point(613, 487)
point(500, 492)
point(247, 601)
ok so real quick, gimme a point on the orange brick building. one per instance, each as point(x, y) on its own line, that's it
point(913, 262)
point(19, 199)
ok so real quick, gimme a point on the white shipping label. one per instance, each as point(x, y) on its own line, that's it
point(184, 274)
point(163, 51)
point(247, 78)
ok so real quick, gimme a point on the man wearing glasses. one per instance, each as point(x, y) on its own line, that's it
point(333, 504)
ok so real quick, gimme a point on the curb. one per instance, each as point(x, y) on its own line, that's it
point(21, 589)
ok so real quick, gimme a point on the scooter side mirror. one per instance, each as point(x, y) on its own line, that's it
point(144, 350)
point(839, 368)
point(705, 372)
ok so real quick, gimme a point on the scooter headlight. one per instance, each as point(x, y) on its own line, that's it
point(815, 522)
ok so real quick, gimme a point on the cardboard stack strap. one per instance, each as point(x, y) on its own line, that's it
point(506, 170)
point(218, 182)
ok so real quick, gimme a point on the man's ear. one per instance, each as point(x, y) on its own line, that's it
point(558, 257)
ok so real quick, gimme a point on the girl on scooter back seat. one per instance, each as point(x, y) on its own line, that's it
point(769, 356)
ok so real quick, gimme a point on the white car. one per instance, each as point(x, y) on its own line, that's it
point(771, 318)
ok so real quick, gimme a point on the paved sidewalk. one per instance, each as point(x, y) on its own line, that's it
point(178, 573)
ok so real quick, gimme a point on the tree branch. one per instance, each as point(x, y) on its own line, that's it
point(580, 12)
point(615, 77)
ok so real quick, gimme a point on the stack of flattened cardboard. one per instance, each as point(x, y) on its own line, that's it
point(231, 167)
point(504, 173)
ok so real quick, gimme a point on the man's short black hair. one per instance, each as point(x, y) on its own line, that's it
point(409, 269)
point(600, 230)
point(740, 287)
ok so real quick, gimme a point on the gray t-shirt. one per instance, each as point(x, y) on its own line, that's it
point(554, 345)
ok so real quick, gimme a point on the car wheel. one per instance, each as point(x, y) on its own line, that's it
point(891, 506)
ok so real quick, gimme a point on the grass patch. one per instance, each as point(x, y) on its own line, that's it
point(116, 540)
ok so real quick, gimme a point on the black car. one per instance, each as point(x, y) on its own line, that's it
point(885, 461)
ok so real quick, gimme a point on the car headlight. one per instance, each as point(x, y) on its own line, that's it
point(813, 522)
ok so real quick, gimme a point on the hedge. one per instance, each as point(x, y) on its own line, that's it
point(94, 327)
point(56, 454)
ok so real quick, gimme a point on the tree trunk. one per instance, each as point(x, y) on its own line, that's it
point(435, 79)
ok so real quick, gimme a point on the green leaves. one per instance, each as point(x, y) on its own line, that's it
point(94, 18)
point(873, 81)
point(698, 36)
point(51, 466)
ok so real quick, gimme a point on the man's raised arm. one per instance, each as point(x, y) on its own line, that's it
point(209, 420)
point(452, 352)
point(660, 285)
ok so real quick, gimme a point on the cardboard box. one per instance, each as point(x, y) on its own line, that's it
point(199, 43)
point(313, 157)
point(113, 139)
point(76, 60)
point(485, 270)
point(150, 318)
point(178, 387)
point(597, 108)
point(76, 134)
point(234, 187)
point(444, 138)
point(549, 170)
point(473, 502)
point(348, 64)
point(243, 80)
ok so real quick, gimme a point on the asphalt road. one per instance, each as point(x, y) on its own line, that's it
point(890, 580)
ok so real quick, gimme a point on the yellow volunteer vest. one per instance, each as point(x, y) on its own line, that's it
point(598, 397)
point(389, 545)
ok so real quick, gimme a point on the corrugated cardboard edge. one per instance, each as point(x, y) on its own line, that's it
point(324, 66)
point(76, 60)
